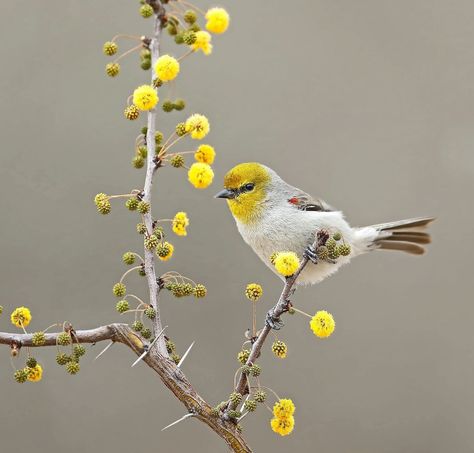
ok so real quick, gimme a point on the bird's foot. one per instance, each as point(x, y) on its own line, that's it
point(310, 253)
point(273, 322)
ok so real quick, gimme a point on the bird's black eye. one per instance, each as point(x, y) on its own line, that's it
point(249, 187)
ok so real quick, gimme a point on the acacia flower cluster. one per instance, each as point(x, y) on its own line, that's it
point(283, 421)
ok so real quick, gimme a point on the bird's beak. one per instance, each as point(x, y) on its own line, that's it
point(225, 193)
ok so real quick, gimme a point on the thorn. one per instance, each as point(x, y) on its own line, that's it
point(148, 349)
point(104, 350)
point(184, 417)
point(185, 354)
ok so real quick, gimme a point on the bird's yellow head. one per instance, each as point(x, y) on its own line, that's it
point(245, 190)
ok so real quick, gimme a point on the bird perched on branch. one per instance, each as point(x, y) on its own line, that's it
point(273, 216)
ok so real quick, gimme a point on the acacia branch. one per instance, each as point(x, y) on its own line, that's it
point(274, 313)
point(151, 167)
point(169, 373)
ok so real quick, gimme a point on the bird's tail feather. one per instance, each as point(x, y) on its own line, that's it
point(404, 235)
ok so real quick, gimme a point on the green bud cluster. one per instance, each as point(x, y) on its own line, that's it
point(138, 162)
point(31, 362)
point(146, 11)
point(235, 398)
point(190, 16)
point(62, 359)
point(170, 346)
point(177, 161)
point(150, 313)
point(20, 376)
point(250, 405)
point(112, 69)
point(200, 291)
point(110, 48)
point(72, 367)
point(137, 326)
point(180, 129)
point(146, 333)
point(143, 207)
point(175, 358)
point(131, 112)
point(151, 242)
point(132, 204)
point(141, 228)
point(255, 370)
point(78, 351)
point(260, 396)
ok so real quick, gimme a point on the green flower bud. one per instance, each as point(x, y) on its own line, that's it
point(150, 313)
point(243, 356)
point(177, 161)
point(79, 351)
point(344, 249)
point(110, 48)
point(151, 242)
point(200, 291)
point(72, 367)
point(112, 69)
point(131, 204)
point(146, 333)
point(64, 339)
point(143, 207)
point(188, 289)
point(122, 306)
point(190, 16)
point(62, 359)
point(180, 129)
point(159, 232)
point(145, 65)
point(20, 376)
point(337, 236)
point(255, 370)
point(157, 83)
point(131, 112)
point(172, 30)
point(142, 271)
point(280, 349)
point(179, 104)
point(250, 405)
point(141, 228)
point(194, 27)
point(158, 137)
point(146, 11)
point(331, 243)
point(128, 258)
point(39, 339)
point(175, 358)
point(334, 253)
point(234, 414)
point(119, 289)
point(235, 398)
point(189, 38)
point(144, 130)
point(167, 106)
point(322, 252)
point(179, 38)
point(137, 326)
point(170, 346)
point(138, 162)
point(31, 362)
point(260, 396)
point(143, 151)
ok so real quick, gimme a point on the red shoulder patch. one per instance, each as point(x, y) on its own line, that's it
point(294, 200)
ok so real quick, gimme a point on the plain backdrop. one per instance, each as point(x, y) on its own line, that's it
point(368, 104)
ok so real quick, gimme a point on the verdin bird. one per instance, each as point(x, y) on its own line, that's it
point(273, 216)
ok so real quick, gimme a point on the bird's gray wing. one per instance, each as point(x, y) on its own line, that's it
point(304, 202)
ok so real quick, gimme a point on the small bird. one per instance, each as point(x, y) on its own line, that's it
point(273, 216)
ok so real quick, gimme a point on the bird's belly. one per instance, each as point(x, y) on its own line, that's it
point(293, 234)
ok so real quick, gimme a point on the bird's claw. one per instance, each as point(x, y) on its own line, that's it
point(273, 322)
point(310, 253)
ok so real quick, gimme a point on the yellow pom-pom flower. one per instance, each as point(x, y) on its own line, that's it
point(280, 349)
point(35, 374)
point(322, 324)
point(145, 97)
point(284, 408)
point(200, 175)
point(20, 317)
point(205, 154)
point(203, 42)
point(198, 126)
point(180, 222)
point(283, 426)
point(217, 20)
point(167, 68)
point(253, 292)
point(286, 263)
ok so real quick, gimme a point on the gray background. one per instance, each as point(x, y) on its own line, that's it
point(368, 104)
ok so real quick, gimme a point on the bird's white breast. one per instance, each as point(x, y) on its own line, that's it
point(285, 228)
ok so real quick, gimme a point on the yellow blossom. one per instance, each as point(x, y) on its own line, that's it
point(253, 292)
point(203, 42)
point(198, 126)
point(145, 97)
point(283, 426)
point(322, 324)
point(200, 175)
point(286, 263)
point(167, 68)
point(217, 20)
point(21, 317)
point(280, 349)
point(205, 154)
point(284, 408)
point(180, 222)
point(35, 374)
